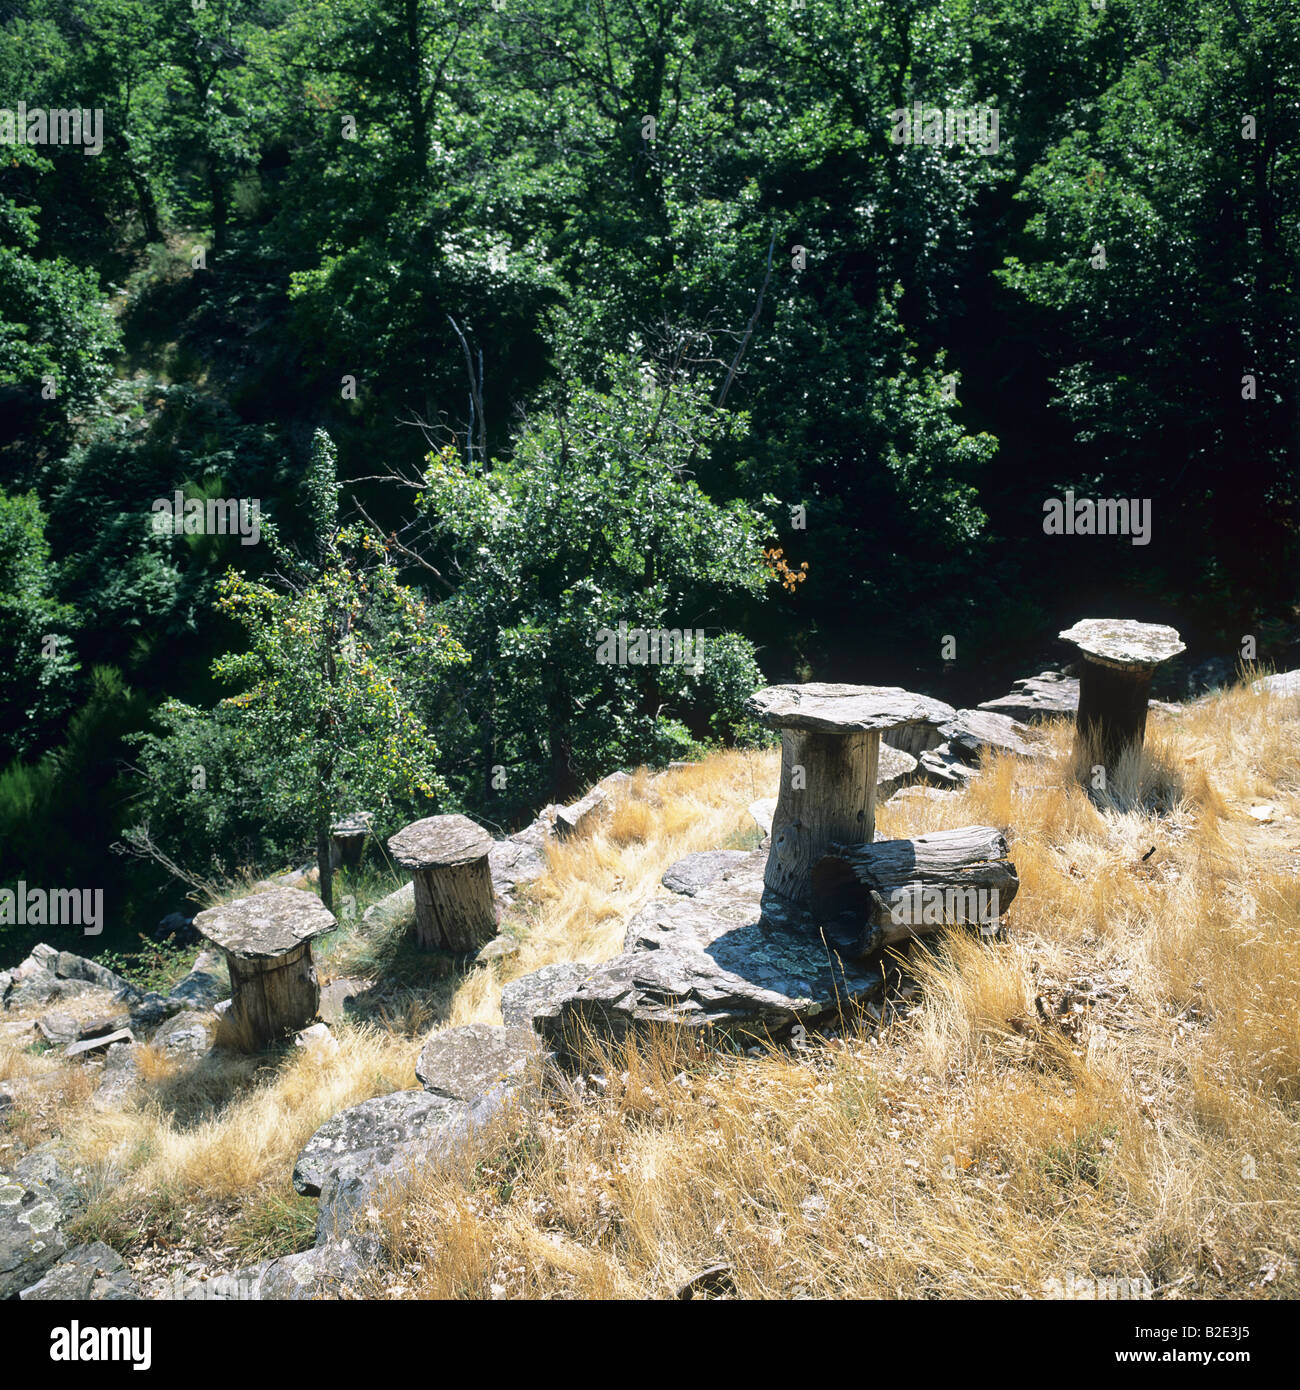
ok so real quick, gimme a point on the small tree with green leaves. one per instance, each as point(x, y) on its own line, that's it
point(338, 656)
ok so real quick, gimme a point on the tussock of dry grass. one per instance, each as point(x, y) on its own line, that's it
point(1000, 1135)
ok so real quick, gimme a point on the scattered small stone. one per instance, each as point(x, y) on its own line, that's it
point(58, 1028)
point(499, 948)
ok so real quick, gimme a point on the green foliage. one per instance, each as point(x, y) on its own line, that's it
point(592, 521)
point(334, 664)
point(37, 667)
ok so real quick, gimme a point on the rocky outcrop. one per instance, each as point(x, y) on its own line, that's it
point(710, 962)
point(1284, 683)
point(206, 984)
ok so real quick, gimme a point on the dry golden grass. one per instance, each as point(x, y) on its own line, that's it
point(990, 1142)
point(1109, 1089)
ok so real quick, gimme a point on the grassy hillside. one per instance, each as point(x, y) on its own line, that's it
point(1107, 1090)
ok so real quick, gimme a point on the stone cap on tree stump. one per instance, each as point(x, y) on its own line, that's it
point(830, 757)
point(842, 709)
point(1122, 644)
point(1119, 658)
point(266, 925)
point(438, 841)
point(455, 908)
point(267, 940)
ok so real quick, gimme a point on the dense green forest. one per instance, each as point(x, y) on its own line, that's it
point(521, 319)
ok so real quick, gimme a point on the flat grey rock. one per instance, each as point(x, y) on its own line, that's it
point(387, 1139)
point(893, 770)
point(58, 1028)
point(338, 995)
point(532, 996)
point(1048, 695)
point(188, 1035)
point(266, 925)
point(763, 811)
point(513, 861)
point(50, 1165)
point(93, 1272)
point(695, 871)
point(975, 731)
point(30, 1236)
point(713, 962)
point(438, 842)
point(100, 1044)
point(574, 820)
point(1284, 683)
point(396, 910)
point(472, 1060)
point(843, 709)
point(374, 1134)
point(324, 1272)
point(943, 768)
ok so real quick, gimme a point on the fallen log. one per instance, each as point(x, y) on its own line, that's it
point(892, 890)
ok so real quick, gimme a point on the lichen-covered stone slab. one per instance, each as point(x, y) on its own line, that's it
point(30, 1236)
point(120, 1078)
point(843, 709)
point(1124, 644)
point(467, 1062)
point(93, 1272)
point(374, 1134)
point(438, 841)
point(694, 872)
point(266, 925)
point(354, 1154)
point(325, 1272)
point(531, 996)
point(728, 959)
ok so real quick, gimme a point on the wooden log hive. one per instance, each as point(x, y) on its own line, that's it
point(830, 749)
point(448, 858)
point(1119, 658)
point(267, 943)
point(891, 890)
point(348, 839)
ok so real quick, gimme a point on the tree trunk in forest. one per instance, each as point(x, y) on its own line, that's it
point(324, 863)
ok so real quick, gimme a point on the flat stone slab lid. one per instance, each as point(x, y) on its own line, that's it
point(267, 924)
point(358, 823)
point(1124, 644)
point(843, 709)
point(439, 840)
